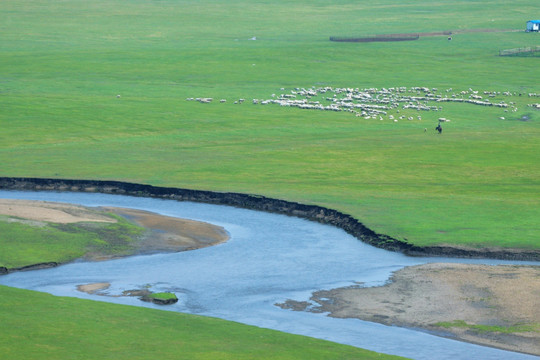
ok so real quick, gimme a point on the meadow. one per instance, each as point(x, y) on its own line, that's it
point(97, 90)
point(27, 244)
point(64, 63)
point(41, 326)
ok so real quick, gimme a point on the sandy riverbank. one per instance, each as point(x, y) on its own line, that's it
point(170, 234)
point(497, 297)
point(51, 211)
point(163, 233)
point(93, 287)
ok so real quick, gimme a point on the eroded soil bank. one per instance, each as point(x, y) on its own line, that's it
point(497, 306)
point(261, 203)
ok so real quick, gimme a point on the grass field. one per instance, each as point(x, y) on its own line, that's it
point(63, 63)
point(41, 326)
point(24, 244)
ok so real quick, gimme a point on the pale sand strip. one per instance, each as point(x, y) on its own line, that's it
point(164, 233)
point(421, 296)
point(93, 288)
point(170, 234)
point(50, 211)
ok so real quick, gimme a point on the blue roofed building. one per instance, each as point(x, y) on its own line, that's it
point(533, 25)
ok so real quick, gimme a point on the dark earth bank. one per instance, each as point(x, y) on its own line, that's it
point(261, 203)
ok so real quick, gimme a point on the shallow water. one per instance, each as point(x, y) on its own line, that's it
point(270, 258)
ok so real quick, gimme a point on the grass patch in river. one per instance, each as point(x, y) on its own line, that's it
point(163, 296)
point(519, 328)
point(24, 244)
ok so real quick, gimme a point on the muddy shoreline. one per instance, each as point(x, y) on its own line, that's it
point(169, 234)
point(163, 234)
point(261, 203)
point(493, 306)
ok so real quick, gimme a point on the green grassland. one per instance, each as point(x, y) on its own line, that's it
point(36, 325)
point(163, 296)
point(63, 63)
point(491, 328)
point(25, 243)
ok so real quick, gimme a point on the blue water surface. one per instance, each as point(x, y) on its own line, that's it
point(269, 258)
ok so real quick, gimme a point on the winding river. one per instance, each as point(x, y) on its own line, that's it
point(270, 258)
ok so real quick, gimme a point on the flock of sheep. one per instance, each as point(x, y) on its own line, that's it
point(375, 103)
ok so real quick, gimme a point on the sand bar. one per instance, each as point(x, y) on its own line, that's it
point(51, 211)
point(422, 296)
point(163, 233)
point(170, 234)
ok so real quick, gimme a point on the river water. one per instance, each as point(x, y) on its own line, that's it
point(270, 258)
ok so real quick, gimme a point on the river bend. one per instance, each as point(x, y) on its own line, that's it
point(270, 258)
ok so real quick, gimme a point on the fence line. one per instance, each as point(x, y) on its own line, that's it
point(518, 51)
point(378, 38)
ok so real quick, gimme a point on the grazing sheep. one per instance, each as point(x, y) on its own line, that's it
point(373, 103)
point(204, 100)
